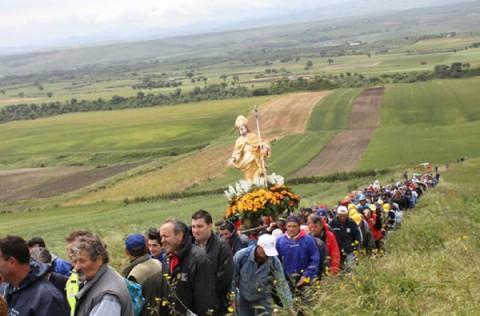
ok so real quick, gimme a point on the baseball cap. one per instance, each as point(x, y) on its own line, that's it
point(135, 242)
point(342, 210)
point(267, 242)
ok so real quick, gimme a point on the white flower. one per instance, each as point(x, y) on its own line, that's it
point(275, 179)
point(246, 186)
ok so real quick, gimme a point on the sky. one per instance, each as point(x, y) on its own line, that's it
point(36, 23)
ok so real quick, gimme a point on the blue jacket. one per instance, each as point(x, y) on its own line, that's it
point(299, 255)
point(61, 266)
point(36, 296)
point(254, 282)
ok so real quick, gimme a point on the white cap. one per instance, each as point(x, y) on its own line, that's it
point(267, 242)
point(342, 210)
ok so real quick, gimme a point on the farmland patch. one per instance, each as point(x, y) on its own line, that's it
point(346, 148)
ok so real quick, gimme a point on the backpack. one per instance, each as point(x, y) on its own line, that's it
point(135, 291)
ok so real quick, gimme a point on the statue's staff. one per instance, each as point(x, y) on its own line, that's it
point(264, 171)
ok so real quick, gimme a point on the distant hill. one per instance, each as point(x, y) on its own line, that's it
point(457, 17)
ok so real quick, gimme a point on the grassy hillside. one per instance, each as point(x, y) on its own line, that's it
point(333, 112)
point(127, 131)
point(437, 122)
point(431, 264)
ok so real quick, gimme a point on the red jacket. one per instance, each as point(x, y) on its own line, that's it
point(377, 233)
point(332, 247)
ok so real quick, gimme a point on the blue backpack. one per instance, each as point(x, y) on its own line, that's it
point(135, 291)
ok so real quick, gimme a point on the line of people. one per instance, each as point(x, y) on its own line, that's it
point(196, 270)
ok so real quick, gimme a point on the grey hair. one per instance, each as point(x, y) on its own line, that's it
point(92, 245)
point(41, 254)
point(178, 226)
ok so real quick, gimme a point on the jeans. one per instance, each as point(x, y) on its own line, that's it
point(257, 308)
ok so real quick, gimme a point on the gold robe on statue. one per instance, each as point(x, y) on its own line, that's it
point(248, 156)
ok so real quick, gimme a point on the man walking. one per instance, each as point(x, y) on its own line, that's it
point(190, 285)
point(219, 253)
point(348, 236)
point(256, 270)
point(143, 270)
point(299, 254)
point(24, 286)
point(104, 291)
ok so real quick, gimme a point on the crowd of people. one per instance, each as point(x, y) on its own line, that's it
point(207, 267)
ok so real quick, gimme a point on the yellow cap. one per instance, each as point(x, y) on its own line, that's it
point(357, 218)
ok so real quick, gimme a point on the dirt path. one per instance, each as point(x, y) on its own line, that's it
point(345, 150)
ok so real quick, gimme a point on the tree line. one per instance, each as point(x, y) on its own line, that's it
point(223, 91)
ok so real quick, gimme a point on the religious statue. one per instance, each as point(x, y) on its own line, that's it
point(250, 154)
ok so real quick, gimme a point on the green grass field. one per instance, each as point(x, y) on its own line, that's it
point(127, 130)
point(333, 112)
point(436, 122)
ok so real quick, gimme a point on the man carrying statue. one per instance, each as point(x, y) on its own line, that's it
point(250, 152)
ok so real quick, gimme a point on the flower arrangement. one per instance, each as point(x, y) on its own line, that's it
point(257, 198)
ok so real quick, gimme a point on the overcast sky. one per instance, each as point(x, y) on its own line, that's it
point(33, 22)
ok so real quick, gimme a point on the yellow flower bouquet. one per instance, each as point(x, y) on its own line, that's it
point(254, 199)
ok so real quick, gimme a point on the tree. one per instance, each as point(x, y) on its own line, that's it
point(236, 79)
point(49, 94)
point(308, 65)
point(224, 77)
point(330, 61)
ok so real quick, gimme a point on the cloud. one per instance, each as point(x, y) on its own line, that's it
point(25, 20)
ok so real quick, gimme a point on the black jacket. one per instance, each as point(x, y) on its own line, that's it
point(191, 284)
point(221, 257)
point(347, 233)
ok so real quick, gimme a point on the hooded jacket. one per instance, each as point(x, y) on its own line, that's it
point(191, 283)
point(35, 296)
point(299, 255)
point(332, 247)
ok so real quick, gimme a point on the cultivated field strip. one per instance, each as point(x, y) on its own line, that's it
point(345, 150)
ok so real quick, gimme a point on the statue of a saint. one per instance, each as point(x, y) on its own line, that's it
point(249, 154)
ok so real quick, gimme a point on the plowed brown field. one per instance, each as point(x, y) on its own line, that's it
point(25, 184)
point(345, 150)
